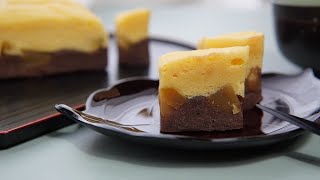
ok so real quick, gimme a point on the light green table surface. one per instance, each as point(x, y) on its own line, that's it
point(78, 153)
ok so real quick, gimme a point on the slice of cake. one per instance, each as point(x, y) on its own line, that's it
point(44, 37)
point(202, 90)
point(132, 38)
point(255, 42)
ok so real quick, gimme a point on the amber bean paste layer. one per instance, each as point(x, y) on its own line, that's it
point(252, 89)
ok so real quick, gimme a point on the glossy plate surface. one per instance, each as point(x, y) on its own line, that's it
point(130, 110)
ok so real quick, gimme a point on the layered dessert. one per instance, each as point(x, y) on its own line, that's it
point(255, 41)
point(44, 37)
point(132, 38)
point(202, 90)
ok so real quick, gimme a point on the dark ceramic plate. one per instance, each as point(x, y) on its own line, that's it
point(130, 110)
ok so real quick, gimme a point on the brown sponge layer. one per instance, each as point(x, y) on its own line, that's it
point(136, 55)
point(33, 64)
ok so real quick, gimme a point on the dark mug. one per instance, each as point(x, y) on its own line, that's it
point(297, 27)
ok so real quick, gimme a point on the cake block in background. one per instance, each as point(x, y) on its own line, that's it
point(45, 37)
point(202, 90)
point(255, 41)
point(132, 38)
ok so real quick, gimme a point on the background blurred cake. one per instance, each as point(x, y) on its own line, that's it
point(132, 37)
point(43, 37)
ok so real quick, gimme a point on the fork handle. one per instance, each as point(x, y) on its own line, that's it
point(300, 122)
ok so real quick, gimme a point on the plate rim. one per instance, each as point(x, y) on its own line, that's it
point(62, 107)
point(244, 141)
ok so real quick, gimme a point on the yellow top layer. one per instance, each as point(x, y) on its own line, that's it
point(48, 25)
point(204, 72)
point(254, 40)
point(132, 26)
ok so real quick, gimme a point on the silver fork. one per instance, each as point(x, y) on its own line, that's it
point(309, 125)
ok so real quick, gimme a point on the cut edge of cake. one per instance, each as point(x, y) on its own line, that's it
point(202, 90)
